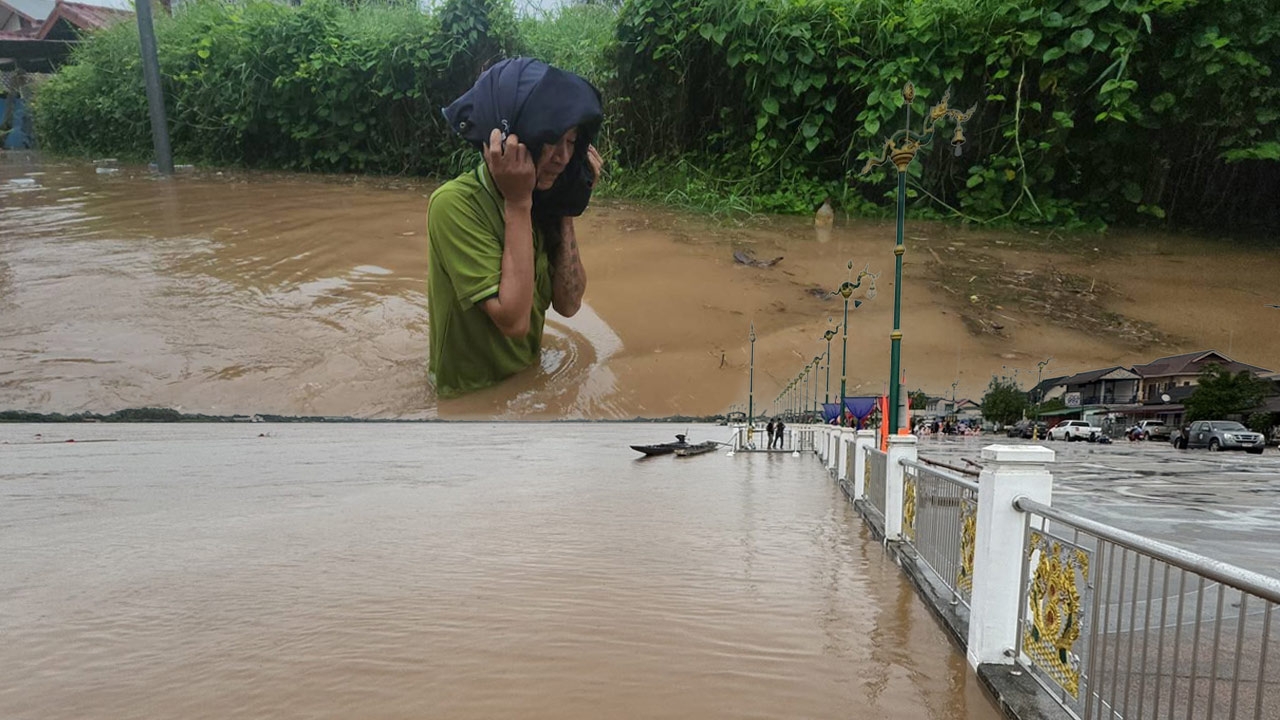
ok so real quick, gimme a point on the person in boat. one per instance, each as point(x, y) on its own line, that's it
point(501, 240)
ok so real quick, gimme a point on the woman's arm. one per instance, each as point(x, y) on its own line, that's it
point(513, 172)
point(568, 278)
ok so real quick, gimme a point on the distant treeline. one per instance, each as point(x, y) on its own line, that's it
point(1087, 111)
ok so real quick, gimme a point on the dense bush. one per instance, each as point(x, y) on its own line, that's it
point(1088, 111)
point(1102, 109)
point(326, 86)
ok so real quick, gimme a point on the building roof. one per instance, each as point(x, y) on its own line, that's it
point(1090, 376)
point(80, 16)
point(1046, 384)
point(34, 10)
point(1192, 364)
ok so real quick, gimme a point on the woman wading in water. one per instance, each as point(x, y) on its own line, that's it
point(501, 242)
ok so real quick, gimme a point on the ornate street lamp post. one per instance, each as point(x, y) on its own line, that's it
point(804, 394)
point(751, 378)
point(901, 148)
point(826, 397)
point(817, 360)
point(846, 291)
point(1039, 379)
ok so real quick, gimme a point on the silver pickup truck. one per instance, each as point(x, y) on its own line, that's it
point(1219, 435)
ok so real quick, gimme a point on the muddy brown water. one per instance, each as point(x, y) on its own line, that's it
point(240, 292)
point(446, 571)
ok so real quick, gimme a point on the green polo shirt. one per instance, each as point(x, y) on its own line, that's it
point(465, 237)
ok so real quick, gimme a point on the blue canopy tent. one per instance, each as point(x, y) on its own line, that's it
point(861, 407)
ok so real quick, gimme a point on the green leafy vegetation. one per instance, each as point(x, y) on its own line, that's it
point(1005, 402)
point(326, 86)
point(1088, 112)
point(1219, 394)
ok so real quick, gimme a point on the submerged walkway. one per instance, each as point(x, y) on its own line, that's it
point(441, 570)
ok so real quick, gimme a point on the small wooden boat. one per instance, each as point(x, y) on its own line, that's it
point(662, 448)
point(698, 449)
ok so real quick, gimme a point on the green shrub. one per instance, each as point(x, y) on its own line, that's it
point(1087, 110)
point(326, 86)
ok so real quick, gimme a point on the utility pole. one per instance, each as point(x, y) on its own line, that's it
point(155, 94)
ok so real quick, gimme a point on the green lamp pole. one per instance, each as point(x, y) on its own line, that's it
point(846, 291)
point(751, 378)
point(901, 148)
point(817, 360)
point(804, 394)
point(830, 333)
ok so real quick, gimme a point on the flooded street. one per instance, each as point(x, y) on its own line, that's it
point(1222, 505)
point(446, 570)
point(240, 292)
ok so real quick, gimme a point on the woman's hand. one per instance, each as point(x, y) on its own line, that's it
point(512, 168)
point(596, 162)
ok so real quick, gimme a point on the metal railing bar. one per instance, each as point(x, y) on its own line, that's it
point(1195, 650)
point(953, 468)
point(1146, 636)
point(954, 479)
point(1177, 640)
point(1262, 661)
point(1133, 625)
point(1094, 634)
point(1254, 583)
point(1217, 643)
point(1164, 609)
point(1115, 665)
point(1235, 674)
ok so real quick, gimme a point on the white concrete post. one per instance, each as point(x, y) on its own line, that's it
point(820, 446)
point(844, 445)
point(863, 439)
point(1009, 471)
point(833, 448)
point(901, 447)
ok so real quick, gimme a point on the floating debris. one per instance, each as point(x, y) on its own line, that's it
point(746, 257)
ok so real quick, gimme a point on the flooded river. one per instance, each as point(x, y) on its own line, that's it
point(446, 570)
point(236, 292)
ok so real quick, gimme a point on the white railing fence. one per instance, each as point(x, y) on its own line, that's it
point(939, 520)
point(1115, 626)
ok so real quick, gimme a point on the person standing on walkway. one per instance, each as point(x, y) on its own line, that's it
point(778, 430)
point(500, 238)
point(769, 431)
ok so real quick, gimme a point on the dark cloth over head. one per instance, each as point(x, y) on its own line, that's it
point(539, 104)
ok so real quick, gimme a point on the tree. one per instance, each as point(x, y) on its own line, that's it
point(919, 400)
point(1219, 394)
point(1005, 402)
point(1260, 422)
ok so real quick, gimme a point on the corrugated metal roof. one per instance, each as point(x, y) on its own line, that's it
point(81, 17)
point(35, 10)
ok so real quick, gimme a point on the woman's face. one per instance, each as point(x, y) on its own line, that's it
point(554, 158)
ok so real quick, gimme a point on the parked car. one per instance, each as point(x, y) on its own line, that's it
point(1220, 435)
point(1074, 430)
point(1027, 429)
point(1155, 430)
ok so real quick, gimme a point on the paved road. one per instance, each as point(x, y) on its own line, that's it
point(1224, 505)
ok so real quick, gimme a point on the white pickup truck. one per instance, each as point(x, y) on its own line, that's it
point(1074, 430)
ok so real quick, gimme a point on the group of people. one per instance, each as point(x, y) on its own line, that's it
point(947, 427)
point(774, 430)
